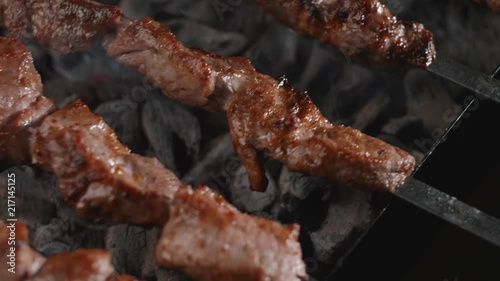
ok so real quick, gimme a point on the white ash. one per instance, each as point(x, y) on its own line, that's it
point(350, 211)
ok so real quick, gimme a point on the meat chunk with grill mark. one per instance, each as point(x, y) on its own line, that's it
point(265, 116)
point(97, 174)
point(22, 105)
point(209, 239)
point(60, 25)
point(274, 119)
point(81, 265)
point(361, 29)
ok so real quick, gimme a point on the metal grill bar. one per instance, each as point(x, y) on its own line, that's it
point(437, 202)
point(467, 77)
point(452, 210)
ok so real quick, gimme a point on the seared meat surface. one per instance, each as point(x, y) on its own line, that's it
point(259, 122)
point(272, 118)
point(106, 183)
point(361, 29)
point(265, 116)
point(29, 265)
point(61, 25)
point(97, 174)
point(22, 105)
point(26, 260)
point(191, 76)
point(81, 265)
point(206, 238)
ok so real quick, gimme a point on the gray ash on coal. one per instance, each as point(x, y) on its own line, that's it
point(404, 107)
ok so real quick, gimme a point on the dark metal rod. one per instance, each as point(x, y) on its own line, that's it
point(473, 80)
point(451, 210)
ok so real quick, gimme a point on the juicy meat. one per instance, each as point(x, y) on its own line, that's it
point(210, 240)
point(22, 105)
point(190, 76)
point(494, 4)
point(265, 116)
point(364, 29)
point(97, 174)
point(60, 25)
point(272, 118)
point(81, 265)
point(26, 262)
point(296, 134)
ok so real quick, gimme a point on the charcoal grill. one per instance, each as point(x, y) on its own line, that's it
point(109, 88)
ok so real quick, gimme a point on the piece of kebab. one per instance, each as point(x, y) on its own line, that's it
point(266, 116)
point(29, 265)
point(361, 29)
point(204, 235)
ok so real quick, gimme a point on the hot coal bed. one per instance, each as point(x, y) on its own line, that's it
point(408, 108)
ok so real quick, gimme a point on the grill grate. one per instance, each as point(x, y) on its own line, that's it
point(439, 203)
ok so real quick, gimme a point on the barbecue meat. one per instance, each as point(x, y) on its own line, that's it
point(265, 115)
point(61, 25)
point(97, 174)
point(210, 240)
point(361, 29)
point(190, 76)
point(81, 265)
point(272, 118)
point(27, 261)
point(22, 105)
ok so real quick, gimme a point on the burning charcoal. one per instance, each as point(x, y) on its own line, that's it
point(300, 185)
point(303, 199)
point(150, 268)
point(37, 195)
point(210, 167)
point(127, 245)
point(243, 197)
point(172, 131)
point(348, 211)
point(53, 248)
point(319, 59)
point(223, 43)
point(125, 121)
point(428, 100)
point(265, 59)
point(371, 110)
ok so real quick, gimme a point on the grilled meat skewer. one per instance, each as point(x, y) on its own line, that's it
point(361, 29)
point(104, 182)
point(81, 265)
point(296, 134)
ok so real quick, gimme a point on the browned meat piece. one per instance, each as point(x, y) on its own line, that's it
point(60, 25)
point(362, 29)
point(22, 105)
point(81, 265)
point(494, 4)
point(297, 135)
point(264, 115)
point(97, 174)
point(25, 262)
point(271, 117)
point(188, 75)
point(210, 240)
